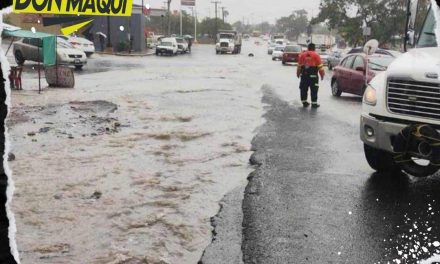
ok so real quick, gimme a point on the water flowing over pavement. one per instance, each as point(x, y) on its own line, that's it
point(130, 165)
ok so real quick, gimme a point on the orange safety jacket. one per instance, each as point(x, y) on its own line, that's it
point(310, 60)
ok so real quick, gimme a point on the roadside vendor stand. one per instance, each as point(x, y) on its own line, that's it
point(56, 75)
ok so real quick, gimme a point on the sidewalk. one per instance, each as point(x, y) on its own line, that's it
point(149, 52)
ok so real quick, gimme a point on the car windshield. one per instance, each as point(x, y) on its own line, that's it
point(61, 43)
point(226, 36)
point(166, 44)
point(293, 49)
point(279, 48)
point(380, 63)
point(427, 36)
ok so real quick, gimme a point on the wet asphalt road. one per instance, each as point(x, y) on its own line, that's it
point(313, 198)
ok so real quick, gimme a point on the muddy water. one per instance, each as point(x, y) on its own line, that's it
point(130, 165)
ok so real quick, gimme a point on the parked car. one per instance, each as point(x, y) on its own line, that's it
point(324, 57)
point(393, 53)
point(182, 45)
point(32, 49)
point(277, 53)
point(167, 46)
point(350, 75)
point(271, 48)
point(291, 54)
point(334, 59)
point(80, 43)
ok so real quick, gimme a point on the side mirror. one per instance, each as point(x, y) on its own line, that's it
point(411, 37)
point(361, 69)
point(371, 46)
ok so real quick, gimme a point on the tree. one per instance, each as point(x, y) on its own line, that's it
point(158, 24)
point(293, 25)
point(207, 26)
point(386, 18)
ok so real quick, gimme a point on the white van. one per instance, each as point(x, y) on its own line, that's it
point(167, 46)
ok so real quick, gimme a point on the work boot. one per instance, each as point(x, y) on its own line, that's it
point(306, 104)
point(315, 105)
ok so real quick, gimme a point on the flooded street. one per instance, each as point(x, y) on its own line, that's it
point(130, 165)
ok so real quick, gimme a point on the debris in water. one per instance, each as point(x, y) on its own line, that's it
point(96, 195)
point(11, 156)
point(44, 130)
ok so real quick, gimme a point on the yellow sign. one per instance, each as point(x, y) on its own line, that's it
point(75, 7)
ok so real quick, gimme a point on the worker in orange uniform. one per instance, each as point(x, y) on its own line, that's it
point(309, 65)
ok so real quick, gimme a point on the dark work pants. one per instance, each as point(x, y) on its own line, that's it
point(312, 82)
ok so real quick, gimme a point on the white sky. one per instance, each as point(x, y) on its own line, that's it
point(253, 10)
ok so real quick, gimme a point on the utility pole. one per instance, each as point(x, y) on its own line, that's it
point(194, 13)
point(169, 14)
point(216, 3)
point(223, 13)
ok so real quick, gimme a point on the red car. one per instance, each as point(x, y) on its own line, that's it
point(291, 54)
point(349, 76)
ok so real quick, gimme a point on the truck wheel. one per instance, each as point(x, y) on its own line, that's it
point(379, 160)
point(78, 67)
point(330, 67)
point(335, 89)
point(417, 170)
point(19, 58)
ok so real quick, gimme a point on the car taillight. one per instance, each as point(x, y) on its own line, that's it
point(74, 43)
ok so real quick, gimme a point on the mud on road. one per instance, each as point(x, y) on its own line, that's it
point(131, 170)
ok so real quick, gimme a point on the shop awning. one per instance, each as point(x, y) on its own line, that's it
point(49, 42)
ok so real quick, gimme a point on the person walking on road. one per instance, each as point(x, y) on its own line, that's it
point(309, 65)
point(189, 44)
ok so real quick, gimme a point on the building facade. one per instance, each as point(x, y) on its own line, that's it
point(123, 31)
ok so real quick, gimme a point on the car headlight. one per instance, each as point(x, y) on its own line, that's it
point(370, 97)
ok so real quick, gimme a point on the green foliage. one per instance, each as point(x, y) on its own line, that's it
point(159, 24)
point(122, 46)
point(293, 25)
point(207, 26)
point(385, 17)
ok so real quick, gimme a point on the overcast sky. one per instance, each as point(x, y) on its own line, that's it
point(253, 10)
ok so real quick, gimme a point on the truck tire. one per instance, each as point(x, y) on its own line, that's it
point(380, 161)
point(335, 88)
point(19, 59)
point(419, 171)
point(330, 67)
